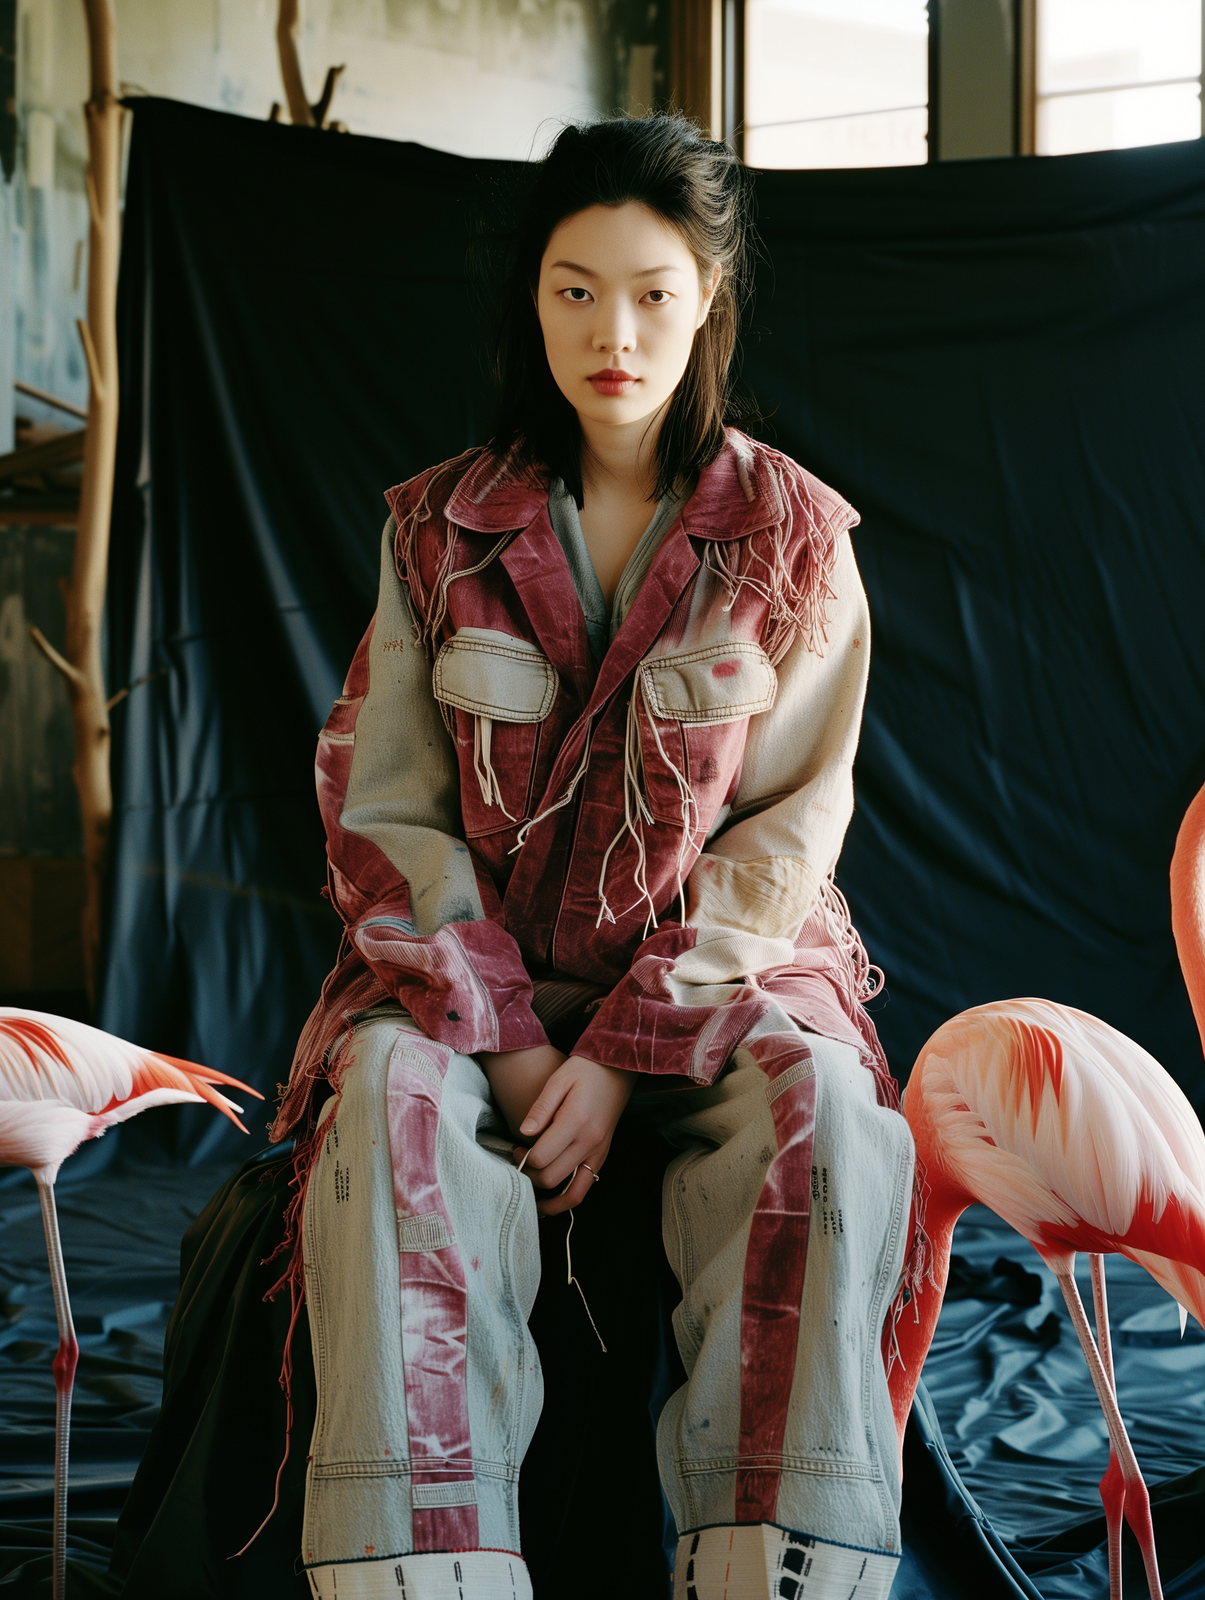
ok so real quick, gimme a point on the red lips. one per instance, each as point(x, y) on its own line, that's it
point(612, 381)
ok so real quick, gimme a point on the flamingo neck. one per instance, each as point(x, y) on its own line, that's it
point(914, 1330)
point(1188, 905)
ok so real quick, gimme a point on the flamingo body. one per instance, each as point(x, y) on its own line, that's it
point(62, 1082)
point(1078, 1138)
point(1069, 1131)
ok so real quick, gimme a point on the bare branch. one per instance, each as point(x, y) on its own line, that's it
point(288, 26)
point(85, 333)
point(72, 674)
point(322, 108)
point(49, 399)
point(147, 677)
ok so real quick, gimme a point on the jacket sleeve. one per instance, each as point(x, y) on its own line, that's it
point(757, 882)
point(402, 877)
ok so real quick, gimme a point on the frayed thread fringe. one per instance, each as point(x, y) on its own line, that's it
point(863, 981)
point(305, 1153)
point(798, 606)
point(409, 568)
point(918, 1268)
point(866, 981)
point(431, 602)
point(483, 766)
point(636, 814)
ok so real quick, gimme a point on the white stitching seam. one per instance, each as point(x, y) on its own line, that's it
point(418, 1235)
point(427, 1495)
point(493, 708)
point(788, 1079)
point(654, 695)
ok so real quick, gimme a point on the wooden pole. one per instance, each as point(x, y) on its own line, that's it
point(288, 26)
point(301, 112)
point(1026, 119)
point(697, 61)
point(86, 595)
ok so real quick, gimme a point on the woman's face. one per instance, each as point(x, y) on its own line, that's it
point(619, 302)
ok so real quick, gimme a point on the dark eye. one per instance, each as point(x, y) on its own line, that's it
point(576, 296)
point(657, 297)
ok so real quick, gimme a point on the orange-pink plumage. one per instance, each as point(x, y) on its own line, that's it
point(62, 1082)
point(1080, 1140)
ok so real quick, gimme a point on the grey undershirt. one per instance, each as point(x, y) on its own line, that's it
point(566, 524)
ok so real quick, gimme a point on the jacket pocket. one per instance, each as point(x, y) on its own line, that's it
point(494, 690)
point(694, 708)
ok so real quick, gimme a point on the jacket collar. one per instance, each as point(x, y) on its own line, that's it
point(735, 496)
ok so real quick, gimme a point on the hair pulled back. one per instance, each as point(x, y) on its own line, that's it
point(697, 186)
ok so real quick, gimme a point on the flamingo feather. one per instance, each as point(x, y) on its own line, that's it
point(62, 1082)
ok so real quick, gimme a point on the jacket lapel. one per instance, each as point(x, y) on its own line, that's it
point(538, 569)
point(674, 565)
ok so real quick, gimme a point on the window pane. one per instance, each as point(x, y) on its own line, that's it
point(1117, 121)
point(875, 139)
point(1083, 43)
point(835, 83)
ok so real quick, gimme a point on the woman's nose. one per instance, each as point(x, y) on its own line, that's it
point(614, 331)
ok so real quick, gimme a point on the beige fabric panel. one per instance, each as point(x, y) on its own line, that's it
point(492, 674)
point(760, 897)
point(795, 798)
point(717, 683)
point(403, 792)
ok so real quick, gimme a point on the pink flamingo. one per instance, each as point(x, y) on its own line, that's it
point(62, 1082)
point(1077, 1137)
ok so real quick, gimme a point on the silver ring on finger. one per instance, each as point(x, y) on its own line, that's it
point(589, 1169)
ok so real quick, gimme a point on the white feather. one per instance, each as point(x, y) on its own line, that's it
point(1118, 1132)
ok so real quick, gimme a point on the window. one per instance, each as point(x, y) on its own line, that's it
point(836, 83)
point(1116, 73)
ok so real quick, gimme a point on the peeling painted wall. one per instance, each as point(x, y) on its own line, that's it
point(38, 811)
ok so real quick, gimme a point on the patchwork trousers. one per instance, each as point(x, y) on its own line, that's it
point(785, 1220)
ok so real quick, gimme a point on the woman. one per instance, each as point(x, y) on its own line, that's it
point(590, 776)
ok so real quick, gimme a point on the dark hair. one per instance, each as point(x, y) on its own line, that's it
point(698, 187)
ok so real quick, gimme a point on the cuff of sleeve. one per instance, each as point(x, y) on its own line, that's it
point(641, 1027)
point(465, 986)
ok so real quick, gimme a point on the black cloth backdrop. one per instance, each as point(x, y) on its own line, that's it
point(998, 362)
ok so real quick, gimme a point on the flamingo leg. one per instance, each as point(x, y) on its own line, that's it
point(1112, 1485)
point(1137, 1501)
point(64, 1379)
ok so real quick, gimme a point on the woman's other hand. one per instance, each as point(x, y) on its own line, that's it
point(574, 1116)
point(517, 1077)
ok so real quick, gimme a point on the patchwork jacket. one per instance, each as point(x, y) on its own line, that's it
point(510, 830)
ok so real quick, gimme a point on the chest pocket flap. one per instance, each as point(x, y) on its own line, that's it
point(719, 683)
point(492, 674)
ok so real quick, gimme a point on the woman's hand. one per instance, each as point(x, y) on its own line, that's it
point(517, 1076)
point(575, 1117)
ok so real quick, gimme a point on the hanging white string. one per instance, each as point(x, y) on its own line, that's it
point(569, 1278)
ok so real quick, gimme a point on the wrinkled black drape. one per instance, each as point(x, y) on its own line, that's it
point(998, 362)
point(297, 333)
